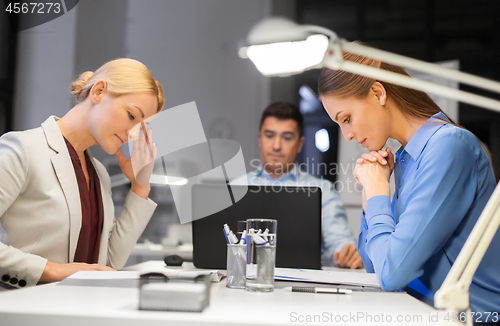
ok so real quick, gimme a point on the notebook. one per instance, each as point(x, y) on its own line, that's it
point(297, 210)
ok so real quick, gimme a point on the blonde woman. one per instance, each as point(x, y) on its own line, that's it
point(55, 198)
point(443, 180)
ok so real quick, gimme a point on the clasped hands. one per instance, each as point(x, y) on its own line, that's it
point(373, 171)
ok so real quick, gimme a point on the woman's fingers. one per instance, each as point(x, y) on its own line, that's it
point(142, 159)
point(382, 156)
point(144, 146)
point(150, 135)
point(375, 156)
point(99, 267)
point(54, 272)
point(151, 146)
point(143, 153)
point(390, 158)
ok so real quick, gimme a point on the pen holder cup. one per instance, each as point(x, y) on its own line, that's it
point(261, 254)
point(236, 266)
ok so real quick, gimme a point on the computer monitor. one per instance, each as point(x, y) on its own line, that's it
point(297, 210)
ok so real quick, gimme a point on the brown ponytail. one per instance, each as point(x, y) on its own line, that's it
point(339, 83)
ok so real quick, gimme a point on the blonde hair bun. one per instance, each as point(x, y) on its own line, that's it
point(79, 84)
point(123, 76)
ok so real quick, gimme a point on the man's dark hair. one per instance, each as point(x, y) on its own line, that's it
point(284, 111)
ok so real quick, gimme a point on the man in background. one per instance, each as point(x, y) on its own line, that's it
point(280, 140)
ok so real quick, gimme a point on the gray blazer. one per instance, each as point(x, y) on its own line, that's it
point(40, 209)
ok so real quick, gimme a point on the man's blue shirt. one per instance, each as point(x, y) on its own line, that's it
point(443, 181)
point(335, 231)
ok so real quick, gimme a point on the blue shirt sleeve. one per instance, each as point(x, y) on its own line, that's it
point(363, 228)
point(439, 198)
point(336, 232)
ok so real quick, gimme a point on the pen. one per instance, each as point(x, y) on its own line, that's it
point(259, 241)
point(243, 237)
point(317, 290)
point(266, 231)
point(233, 239)
point(226, 230)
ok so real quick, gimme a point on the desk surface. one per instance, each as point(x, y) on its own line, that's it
point(57, 304)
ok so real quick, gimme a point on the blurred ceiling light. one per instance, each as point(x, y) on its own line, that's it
point(322, 140)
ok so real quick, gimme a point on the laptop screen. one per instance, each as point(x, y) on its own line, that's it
point(297, 210)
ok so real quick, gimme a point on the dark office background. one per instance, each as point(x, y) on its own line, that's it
point(7, 68)
point(464, 30)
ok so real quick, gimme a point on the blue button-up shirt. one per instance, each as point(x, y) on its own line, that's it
point(335, 231)
point(443, 181)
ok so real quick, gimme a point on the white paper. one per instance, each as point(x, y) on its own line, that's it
point(106, 275)
point(135, 275)
point(329, 277)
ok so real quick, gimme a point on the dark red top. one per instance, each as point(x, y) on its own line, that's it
point(87, 250)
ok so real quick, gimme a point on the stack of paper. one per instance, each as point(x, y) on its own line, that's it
point(330, 277)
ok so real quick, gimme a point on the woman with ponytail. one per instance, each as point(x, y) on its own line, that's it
point(443, 180)
point(55, 198)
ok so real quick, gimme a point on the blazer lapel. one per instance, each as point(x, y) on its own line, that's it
point(65, 173)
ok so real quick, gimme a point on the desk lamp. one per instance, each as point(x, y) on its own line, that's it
point(280, 47)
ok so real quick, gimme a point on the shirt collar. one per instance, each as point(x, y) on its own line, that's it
point(417, 143)
point(292, 174)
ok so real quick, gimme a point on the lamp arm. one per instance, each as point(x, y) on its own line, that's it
point(314, 29)
point(418, 65)
point(332, 61)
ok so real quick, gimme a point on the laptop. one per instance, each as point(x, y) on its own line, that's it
point(297, 210)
